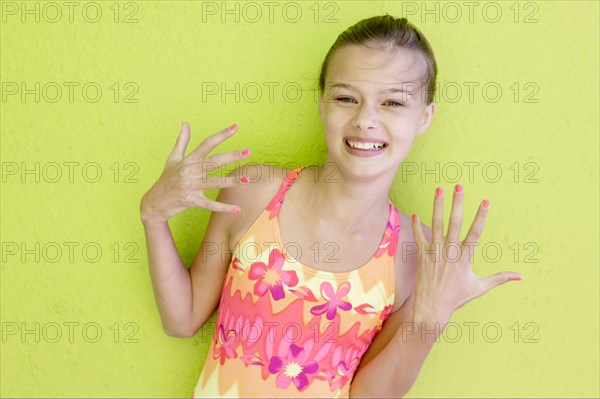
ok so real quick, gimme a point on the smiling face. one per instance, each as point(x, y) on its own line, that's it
point(373, 98)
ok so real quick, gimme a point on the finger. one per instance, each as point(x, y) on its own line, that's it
point(178, 151)
point(216, 206)
point(497, 279)
point(209, 143)
point(206, 182)
point(228, 157)
point(437, 225)
point(476, 228)
point(418, 234)
point(455, 215)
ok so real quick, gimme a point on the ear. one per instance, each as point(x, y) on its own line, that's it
point(426, 118)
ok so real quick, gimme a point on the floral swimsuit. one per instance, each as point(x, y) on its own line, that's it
point(284, 329)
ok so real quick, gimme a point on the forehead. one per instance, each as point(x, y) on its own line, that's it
point(364, 66)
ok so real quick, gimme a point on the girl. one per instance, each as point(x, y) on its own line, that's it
point(337, 293)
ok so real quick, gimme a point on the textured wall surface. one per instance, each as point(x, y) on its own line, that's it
point(116, 79)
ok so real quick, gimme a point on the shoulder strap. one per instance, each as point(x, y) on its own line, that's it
point(275, 204)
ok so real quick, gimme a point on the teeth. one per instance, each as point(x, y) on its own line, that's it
point(365, 146)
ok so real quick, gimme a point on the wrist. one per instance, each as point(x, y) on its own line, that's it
point(427, 318)
point(151, 220)
point(147, 215)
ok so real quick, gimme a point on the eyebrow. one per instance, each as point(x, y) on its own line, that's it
point(389, 90)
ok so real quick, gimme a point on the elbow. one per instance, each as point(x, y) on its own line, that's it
point(172, 333)
point(179, 333)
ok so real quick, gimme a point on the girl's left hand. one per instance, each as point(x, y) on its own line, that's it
point(445, 281)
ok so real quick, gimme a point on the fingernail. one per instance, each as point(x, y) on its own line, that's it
point(439, 191)
point(233, 127)
point(246, 152)
point(236, 209)
point(516, 278)
point(245, 179)
point(458, 188)
point(414, 216)
point(486, 203)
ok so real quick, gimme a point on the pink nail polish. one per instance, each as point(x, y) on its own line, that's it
point(246, 152)
point(486, 203)
point(233, 127)
point(414, 216)
point(245, 179)
point(516, 278)
point(439, 191)
point(236, 209)
point(458, 188)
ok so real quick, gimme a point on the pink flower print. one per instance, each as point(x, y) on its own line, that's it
point(333, 300)
point(225, 345)
point(343, 369)
point(390, 237)
point(271, 277)
point(291, 367)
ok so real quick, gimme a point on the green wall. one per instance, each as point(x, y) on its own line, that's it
point(517, 123)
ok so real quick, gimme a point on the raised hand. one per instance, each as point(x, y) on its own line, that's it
point(184, 178)
point(445, 281)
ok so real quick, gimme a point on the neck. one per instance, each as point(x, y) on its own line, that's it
point(348, 200)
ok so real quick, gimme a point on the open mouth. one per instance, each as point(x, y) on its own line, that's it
point(365, 146)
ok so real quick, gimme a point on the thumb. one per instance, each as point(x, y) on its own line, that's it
point(497, 279)
point(183, 139)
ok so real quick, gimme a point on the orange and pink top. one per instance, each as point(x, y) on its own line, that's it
point(287, 330)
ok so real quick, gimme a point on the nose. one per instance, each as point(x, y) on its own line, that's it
point(365, 118)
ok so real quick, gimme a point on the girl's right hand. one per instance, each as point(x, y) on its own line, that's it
point(184, 178)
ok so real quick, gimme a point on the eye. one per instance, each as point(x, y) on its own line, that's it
point(342, 99)
point(397, 104)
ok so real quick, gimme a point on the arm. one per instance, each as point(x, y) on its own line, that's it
point(394, 369)
point(170, 278)
point(397, 334)
point(186, 298)
point(176, 288)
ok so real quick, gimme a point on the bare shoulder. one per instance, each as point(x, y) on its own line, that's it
point(264, 183)
point(406, 260)
point(253, 197)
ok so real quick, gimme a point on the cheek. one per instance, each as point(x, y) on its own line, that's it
point(334, 120)
point(402, 144)
point(403, 138)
